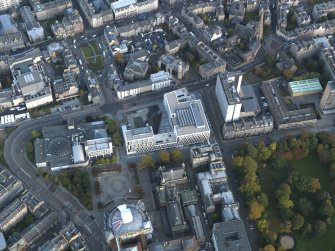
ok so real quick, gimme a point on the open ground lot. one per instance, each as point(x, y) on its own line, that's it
point(93, 57)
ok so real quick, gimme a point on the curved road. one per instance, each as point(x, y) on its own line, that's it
point(59, 200)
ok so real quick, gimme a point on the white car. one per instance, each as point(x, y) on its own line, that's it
point(94, 35)
point(75, 47)
point(207, 85)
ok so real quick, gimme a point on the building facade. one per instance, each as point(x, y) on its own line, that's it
point(227, 87)
point(7, 4)
point(327, 103)
point(187, 120)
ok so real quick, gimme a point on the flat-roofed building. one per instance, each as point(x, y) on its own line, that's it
point(71, 25)
point(33, 28)
point(327, 103)
point(304, 87)
point(186, 117)
point(205, 154)
point(286, 117)
point(65, 87)
point(230, 235)
point(227, 92)
point(12, 214)
point(7, 4)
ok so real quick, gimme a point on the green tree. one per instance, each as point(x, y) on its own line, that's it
point(81, 93)
point(304, 206)
point(326, 209)
point(270, 60)
point(164, 156)
point(320, 228)
point(35, 134)
point(263, 226)
point(146, 161)
point(286, 213)
point(238, 161)
point(252, 151)
point(306, 230)
point(255, 210)
point(263, 199)
point(331, 170)
point(176, 155)
point(322, 196)
point(269, 247)
point(297, 221)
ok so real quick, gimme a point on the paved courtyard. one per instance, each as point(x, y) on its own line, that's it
point(116, 185)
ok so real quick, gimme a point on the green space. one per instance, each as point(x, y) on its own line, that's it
point(74, 180)
point(288, 186)
point(95, 64)
point(292, 22)
point(192, 57)
point(251, 16)
point(41, 111)
point(93, 56)
point(24, 223)
point(169, 34)
point(29, 145)
point(87, 51)
point(47, 25)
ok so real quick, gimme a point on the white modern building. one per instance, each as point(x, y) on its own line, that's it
point(128, 8)
point(186, 117)
point(157, 81)
point(6, 4)
point(227, 90)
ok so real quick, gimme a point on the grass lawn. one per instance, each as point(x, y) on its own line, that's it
point(311, 166)
point(96, 66)
point(87, 51)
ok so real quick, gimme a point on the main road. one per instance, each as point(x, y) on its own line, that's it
point(58, 199)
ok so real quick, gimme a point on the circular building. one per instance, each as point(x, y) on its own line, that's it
point(59, 146)
point(127, 220)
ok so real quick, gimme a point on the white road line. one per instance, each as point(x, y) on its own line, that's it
point(25, 172)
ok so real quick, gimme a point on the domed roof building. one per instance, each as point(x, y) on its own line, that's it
point(127, 221)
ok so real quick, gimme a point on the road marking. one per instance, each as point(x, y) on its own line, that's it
point(25, 172)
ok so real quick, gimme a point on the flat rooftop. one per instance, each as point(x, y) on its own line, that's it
point(305, 86)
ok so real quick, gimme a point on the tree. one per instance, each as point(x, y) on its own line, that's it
point(286, 213)
point(306, 230)
point(304, 206)
point(277, 162)
point(118, 57)
point(322, 196)
point(288, 73)
point(320, 228)
point(146, 161)
point(264, 154)
point(238, 161)
point(263, 226)
point(331, 170)
point(176, 155)
point(164, 156)
point(273, 146)
point(297, 221)
point(315, 185)
point(326, 209)
point(81, 93)
point(255, 210)
point(269, 247)
point(263, 199)
point(270, 60)
point(35, 134)
point(252, 151)
point(258, 71)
